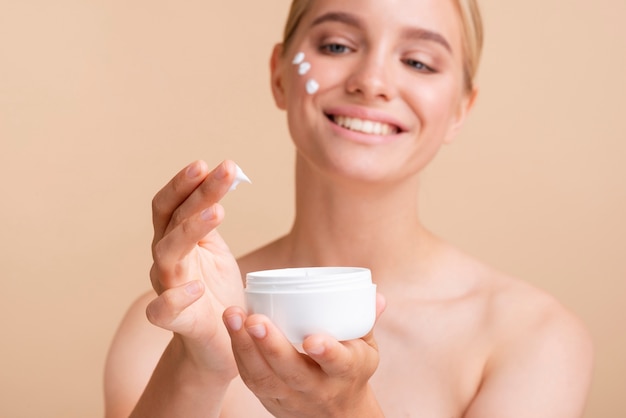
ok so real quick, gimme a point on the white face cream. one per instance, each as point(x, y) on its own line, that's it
point(304, 68)
point(298, 58)
point(338, 301)
point(311, 86)
point(239, 177)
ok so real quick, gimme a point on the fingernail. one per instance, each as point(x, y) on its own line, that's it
point(194, 287)
point(316, 350)
point(257, 331)
point(193, 170)
point(208, 214)
point(234, 322)
point(221, 172)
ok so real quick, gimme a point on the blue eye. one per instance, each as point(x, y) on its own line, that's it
point(335, 49)
point(418, 65)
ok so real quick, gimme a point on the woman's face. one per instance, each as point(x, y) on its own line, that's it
point(390, 77)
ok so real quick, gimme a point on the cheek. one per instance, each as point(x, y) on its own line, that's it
point(436, 103)
point(303, 74)
point(312, 74)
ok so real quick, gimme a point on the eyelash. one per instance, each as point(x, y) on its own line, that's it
point(331, 49)
point(419, 65)
point(328, 48)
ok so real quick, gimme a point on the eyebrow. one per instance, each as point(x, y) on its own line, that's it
point(340, 17)
point(427, 35)
point(410, 33)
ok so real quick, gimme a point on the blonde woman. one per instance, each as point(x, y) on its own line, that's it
point(385, 85)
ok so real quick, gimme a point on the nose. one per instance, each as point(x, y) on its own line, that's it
point(371, 79)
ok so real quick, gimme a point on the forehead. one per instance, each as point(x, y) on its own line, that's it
point(389, 16)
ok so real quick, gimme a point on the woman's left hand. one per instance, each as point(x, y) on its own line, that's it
point(330, 380)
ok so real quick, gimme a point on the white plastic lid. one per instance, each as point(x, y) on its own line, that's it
point(308, 279)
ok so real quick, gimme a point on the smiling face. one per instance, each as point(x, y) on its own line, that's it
point(390, 85)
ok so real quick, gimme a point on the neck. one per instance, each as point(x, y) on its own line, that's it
point(342, 222)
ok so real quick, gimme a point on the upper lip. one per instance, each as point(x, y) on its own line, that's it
point(366, 114)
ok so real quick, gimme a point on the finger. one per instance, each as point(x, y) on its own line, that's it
point(169, 252)
point(296, 370)
point(212, 189)
point(345, 360)
point(339, 359)
point(381, 304)
point(253, 368)
point(167, 307)
point(174, 193)
point(333, 357)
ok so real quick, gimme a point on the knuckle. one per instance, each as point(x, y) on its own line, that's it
point(177, 217)
point(265, 385)
point(154, 278)
point(187, 227)
point(159, 256)
point(157, 204)
point(345, 370)
point(297, 381)
point(246, 348)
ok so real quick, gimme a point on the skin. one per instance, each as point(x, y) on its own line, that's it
point(456, 339)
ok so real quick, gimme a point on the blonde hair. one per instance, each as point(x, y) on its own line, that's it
point(470, 19)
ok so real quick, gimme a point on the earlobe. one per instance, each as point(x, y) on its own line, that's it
point(465, 107)
point(276, 76)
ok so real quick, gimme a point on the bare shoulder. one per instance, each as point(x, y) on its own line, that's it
point(521, 314)
point(542, 355)
point(133, 355)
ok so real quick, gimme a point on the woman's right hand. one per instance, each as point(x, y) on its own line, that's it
point(194, 273)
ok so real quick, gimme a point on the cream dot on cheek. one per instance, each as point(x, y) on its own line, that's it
point(304, 68)
point(298, 58)
point(312, 86)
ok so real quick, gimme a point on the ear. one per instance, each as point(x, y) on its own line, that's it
point(466, 105)
point(276, 76)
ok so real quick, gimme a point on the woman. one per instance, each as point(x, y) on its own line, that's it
point(385, 84)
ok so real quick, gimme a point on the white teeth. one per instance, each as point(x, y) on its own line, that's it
point(365, 126)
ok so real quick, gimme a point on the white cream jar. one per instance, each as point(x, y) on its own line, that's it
point(339, 301)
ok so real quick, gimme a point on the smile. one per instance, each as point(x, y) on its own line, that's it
point(365, 126)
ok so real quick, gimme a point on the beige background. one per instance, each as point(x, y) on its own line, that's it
point(102, 101)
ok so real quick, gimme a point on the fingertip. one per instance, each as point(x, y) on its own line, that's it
point(195, 288)
point(219, 210)
point(212, 214)
point(225, 169)
point(196, 168)
point(231, 310)
point(314, 346)
point(259, 326)
point(381, 304)
point(229, 165)
point(233, 321)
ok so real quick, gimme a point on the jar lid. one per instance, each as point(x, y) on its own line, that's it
point(308, 279)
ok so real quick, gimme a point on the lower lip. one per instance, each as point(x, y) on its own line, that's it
point(360, 137)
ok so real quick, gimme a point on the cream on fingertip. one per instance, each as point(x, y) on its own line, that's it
point(240, 176)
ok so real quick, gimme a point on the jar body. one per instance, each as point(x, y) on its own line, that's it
point(338, 301)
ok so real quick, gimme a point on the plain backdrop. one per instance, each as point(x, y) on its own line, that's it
point(102, 101)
